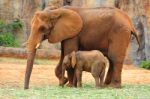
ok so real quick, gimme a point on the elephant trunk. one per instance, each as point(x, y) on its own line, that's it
point(33, 43)
point(30, 60)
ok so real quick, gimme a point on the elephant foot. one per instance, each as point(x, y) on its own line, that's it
point(112, 85)
point(70, 85)
point(64, 82)
point(107, 82)
point(97, 87)
point(26, 88)
point(102, 86)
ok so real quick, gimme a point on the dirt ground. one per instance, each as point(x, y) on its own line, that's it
point(12, 75)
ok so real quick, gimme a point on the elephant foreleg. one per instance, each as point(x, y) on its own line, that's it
point(78, 74)
point(58, 71)
point(75, 79)
point(68, 46)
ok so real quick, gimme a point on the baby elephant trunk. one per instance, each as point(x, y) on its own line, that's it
point(106, 68)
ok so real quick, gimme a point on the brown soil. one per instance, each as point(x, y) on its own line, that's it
point(12, 75)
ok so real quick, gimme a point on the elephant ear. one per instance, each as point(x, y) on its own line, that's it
point(73, 59)
point(67, 24)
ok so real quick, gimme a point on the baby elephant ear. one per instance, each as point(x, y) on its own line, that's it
point(73, 59)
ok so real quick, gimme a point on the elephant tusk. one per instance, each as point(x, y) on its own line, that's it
point(37, 46)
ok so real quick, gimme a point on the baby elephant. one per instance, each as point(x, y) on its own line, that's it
point(91, 61)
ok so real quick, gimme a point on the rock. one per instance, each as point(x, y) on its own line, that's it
point(46, 45)
point(22, 53)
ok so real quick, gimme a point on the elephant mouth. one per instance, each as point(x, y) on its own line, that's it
point(42, 38)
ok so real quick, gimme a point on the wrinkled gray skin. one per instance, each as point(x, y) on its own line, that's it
point(90, 61)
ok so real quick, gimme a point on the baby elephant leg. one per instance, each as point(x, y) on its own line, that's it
point(96, 81)
point(95, 74)
point(75, 79)
point(102, 78)
point(79, 78)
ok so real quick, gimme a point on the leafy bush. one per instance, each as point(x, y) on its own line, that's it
point(6, 33)
point(145, 64)
point(7, 39)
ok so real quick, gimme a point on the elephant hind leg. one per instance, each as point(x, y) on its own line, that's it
point(97, 81)
point(95, 71)
point(102, 77)
point(116, 53)
point(116, 70)
point(116, 79)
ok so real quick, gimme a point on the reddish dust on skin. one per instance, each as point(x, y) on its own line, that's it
point(12, 75)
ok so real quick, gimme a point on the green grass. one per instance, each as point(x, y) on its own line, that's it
point(87, 92)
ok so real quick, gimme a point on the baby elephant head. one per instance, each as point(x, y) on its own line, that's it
point(70, 60)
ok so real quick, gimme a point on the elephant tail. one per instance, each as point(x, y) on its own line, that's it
point(137, 39)
point(106, 68)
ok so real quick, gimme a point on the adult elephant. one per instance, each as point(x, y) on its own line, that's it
point(106, 29)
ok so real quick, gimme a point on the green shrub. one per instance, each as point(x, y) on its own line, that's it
point(7, 37)
point(145, 64)
point(8, 40)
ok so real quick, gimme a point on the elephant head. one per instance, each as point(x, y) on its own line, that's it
point(55, 25)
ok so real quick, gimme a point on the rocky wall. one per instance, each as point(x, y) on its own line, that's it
point(138, 10)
